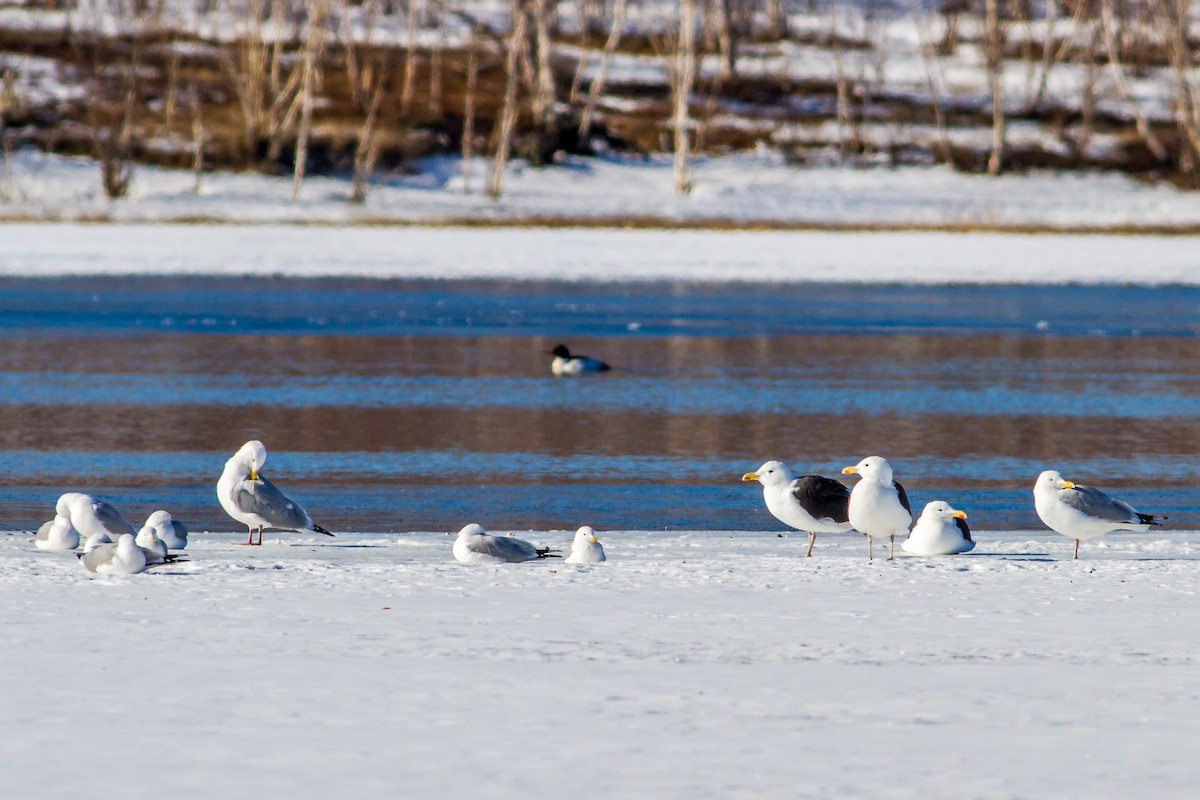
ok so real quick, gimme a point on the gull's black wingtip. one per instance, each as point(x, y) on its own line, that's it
point(318, 529)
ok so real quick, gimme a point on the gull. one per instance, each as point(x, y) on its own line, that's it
point(1082, 512)
point(155, 548)
point(566, 364)
point(810, 503)
point(58, 533)
point(122, 558)
point(940, 531)
point(475, 546)
point(91, 516)
point(170, 531)
point(585, 548)
point(878, 504)
point(254, 501)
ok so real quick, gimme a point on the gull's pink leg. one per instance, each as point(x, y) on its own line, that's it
point(1076, 548)
point(892, 548)
point(250, 537)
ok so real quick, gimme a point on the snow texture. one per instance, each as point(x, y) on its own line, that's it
point(698, 665)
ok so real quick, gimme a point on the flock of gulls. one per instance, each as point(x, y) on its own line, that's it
point(877, 507)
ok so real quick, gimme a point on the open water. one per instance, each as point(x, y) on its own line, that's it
point(423, 405)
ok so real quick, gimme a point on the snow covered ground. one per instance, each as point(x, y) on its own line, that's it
point(747, 189)
point(691, 665)
point(591, 254)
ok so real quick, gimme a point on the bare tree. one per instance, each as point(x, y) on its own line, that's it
point(198, 136)
point(597, 86)
point(468, 133)
point(367, 68)
point(312, 51)
point(683, 78)
point(1117, 69)
point(265, 86)
point(994, 59)
point(508, 111)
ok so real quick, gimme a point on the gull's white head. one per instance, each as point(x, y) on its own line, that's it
point(772, 473)
point(585, 534)
point(939, 509)
point(474, 529)
point(1051, 480)
point(126, 544)
point(872, 468)
point(159, 518)
point(146, 536)
point(251, 456)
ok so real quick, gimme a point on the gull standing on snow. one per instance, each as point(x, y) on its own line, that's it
point(585, 548)
point(810, 503)
point(475, 546)
point(254, 501)
point(91, 516)
point(878, 504)
point(122, 558)
point(940, 531)
point(566, 364)
point(58, 533)
point(1082, 512)
point(170, 531)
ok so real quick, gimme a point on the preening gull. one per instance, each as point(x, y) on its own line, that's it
point(585, 548)
point(170, 531)
point(91, 516)
point(475, 546)
point(122, 558)
point(940, 531)
point(810, 503)
point(878, 504)
point(1082, 512)
point(566, 364)
point(254, 501)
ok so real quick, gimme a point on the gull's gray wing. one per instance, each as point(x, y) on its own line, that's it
point(567, 552)
point(823, 498)
point(111, 519)
point(102, 555)
point(1095, 503)
point(263, 498)
point(180, 529)
point(963, 529)
point(504, 547)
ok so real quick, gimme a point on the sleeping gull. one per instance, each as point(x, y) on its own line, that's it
point(170, 531)
point(566, 364)
point(878, 504)
point(91, 516)
point(1082, 512)
point(940, 531)
point(58, 533)
point(810, 503)
point(585, 548)
point(474, 546)
point(122, 558)
point(254, 501)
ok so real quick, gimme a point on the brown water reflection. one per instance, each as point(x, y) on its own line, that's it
point(948, 409)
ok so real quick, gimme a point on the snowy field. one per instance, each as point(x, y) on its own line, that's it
point(746, 189)
point(691, 665)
